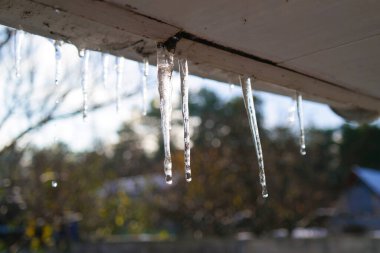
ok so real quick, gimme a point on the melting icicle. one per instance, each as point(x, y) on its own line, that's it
point(250, 107)
point(18, 41)
point(184, 72)
point(105, 61)
point(165, 64)
point(58, 61)
point(85, 60)
point(144, 85)
point(120, 72)
point(292, 111)
point(300, 121)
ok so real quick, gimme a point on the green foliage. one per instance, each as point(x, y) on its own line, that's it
point(224, 196)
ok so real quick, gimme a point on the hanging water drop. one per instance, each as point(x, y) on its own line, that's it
point(250, 107)
point(300, 122)
point(58, 61)
point(105, 62)
point(120, 73)
point(165, 64)
point(18, 42)
point(85, 61)
point(184, 72)
point(144, 85)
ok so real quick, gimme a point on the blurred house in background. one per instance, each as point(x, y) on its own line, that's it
point(358, 209)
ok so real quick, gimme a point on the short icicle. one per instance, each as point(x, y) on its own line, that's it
point(105, 63)
point(85, 55)
point(165, 64)
point(144, 85)
point(300, 122)
point(184, 72)
point(120, 73)
point(58, 61)
point(292, 111)
point(18, 42)
point(250, 107)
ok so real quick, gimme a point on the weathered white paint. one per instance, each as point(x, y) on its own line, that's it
point(329, 51)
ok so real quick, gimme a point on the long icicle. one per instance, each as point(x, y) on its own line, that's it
point(250, 107)
point(18, 42)
point(58, 61)
point(85, 55)
point(144, 85)
point(300, 121)
point(120, 73)
point(184, 72)
point(165, 64)
point(105, 63)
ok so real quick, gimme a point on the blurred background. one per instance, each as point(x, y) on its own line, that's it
point(68, 185)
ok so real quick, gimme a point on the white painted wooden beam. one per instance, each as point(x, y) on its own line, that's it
point(120, 30)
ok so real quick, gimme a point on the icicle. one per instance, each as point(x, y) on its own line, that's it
point(105, 61)
point(165, 64)
point(292, 111)
point(184, 72)
point(250, 107)
point(144, 85)
point(18, 41)
point(300, 121)
point(120, 72)
point(85, 60)
point(58, 61)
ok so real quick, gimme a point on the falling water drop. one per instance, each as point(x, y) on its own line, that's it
point(105, 61)
point(144, 85)
point(165, 64)
point(184, 72)
point(300, 122)
point(250, 107)
point(18, 42)
point(85, 55)
point(120, 73)
point(54, 184)
point(58, 61)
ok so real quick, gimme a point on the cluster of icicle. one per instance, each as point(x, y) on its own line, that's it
point(165, 67)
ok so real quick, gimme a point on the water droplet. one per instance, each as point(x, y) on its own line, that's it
point(54, 184)
point(250, 107)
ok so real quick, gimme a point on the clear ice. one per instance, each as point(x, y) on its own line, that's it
point(300, 122)
point(292, 111)
point(120, 73)
point(58, 61)
point(184, 72)
point(250, 107)
point(165, 64)
point(85, 55)
point(18, 41)
point(144, 85)
point(105, 62)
